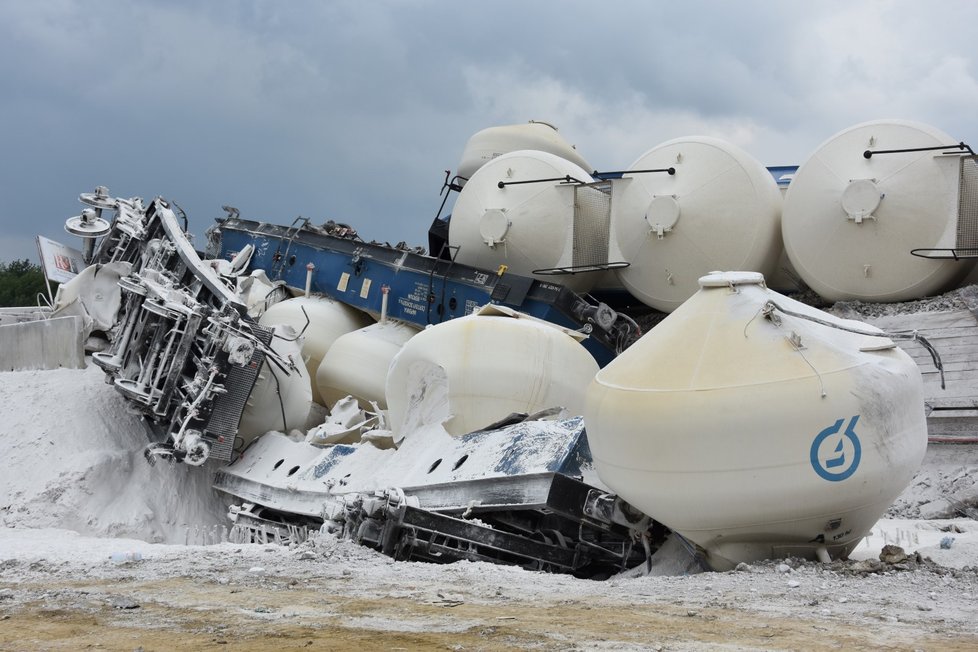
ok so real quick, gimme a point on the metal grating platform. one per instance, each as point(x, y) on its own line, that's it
point(592, 223)
point(222, 427)
point(967, 236)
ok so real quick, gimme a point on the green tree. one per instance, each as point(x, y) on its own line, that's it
point(20, 283)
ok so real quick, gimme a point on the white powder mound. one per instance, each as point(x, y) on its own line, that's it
point(952, 543)
point(945, 486)
point(71, 456)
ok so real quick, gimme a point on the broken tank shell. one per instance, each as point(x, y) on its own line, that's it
point(473, 371)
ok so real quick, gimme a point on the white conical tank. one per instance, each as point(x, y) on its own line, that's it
point(327, 320)
point(357, 363)
point(850, 222)
point(489, 365)
point(527, 226)
point(755, 433)
point(281, 398)
point(721, 209)
point(490, 143)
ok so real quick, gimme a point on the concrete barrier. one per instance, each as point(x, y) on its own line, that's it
point(19, 315)
point(44, 344)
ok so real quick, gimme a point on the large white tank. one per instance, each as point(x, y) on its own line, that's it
point(280, 399)
point(758, 437)
point(850, 222)
point(720, 210)
point(525, 227)
point(357, 363)
point(489, 365)
point(489, 143)
point(327, 319)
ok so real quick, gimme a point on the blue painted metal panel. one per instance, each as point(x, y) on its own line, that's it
point(782, 173)
point(422, 290)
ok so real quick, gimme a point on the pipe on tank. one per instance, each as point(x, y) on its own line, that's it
point(309, 269)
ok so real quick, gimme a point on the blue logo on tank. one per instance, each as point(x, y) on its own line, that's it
point(835, 452)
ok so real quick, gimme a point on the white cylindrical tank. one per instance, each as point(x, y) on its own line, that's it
point(327, 319)
point(850, 222)
point(490, 143)
point(357, 363)
point(756, 436)
point(488, 365)
point(525, 227)
point(720, 210)
point(280, 399)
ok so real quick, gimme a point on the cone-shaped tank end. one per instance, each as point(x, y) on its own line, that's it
point(756, 426)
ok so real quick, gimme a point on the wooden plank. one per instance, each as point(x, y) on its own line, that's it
point(924, 320)
point(949, 347)
point(954, 334)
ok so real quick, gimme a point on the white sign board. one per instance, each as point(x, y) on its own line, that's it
point(59, 262)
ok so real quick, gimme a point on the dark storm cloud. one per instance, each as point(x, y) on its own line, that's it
point(352, 110)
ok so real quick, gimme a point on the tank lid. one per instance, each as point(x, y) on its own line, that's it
point(728, 279)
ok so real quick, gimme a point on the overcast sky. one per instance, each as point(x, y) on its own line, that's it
point(353, 110)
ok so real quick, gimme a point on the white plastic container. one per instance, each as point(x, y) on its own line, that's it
point(487, 144)
point(720, 210)
point(850, 222)
point(524, 227)
point(486, 366)
point(758, 437)
point(357, 363)
point(327, 320)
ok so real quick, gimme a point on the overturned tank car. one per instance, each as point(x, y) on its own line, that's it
point(183, 350)
point(439, 407)
point(189, 349)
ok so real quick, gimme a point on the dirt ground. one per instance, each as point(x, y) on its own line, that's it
point(340, 597)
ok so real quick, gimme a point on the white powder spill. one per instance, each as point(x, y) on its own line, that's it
point(71, 456)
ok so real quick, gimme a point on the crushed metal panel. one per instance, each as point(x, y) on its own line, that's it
point(300, 476)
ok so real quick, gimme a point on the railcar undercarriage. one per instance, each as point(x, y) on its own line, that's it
point(185, 353)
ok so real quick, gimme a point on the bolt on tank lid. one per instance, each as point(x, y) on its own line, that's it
point(729, 279)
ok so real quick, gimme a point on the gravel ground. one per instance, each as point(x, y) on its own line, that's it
point(62, 591)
